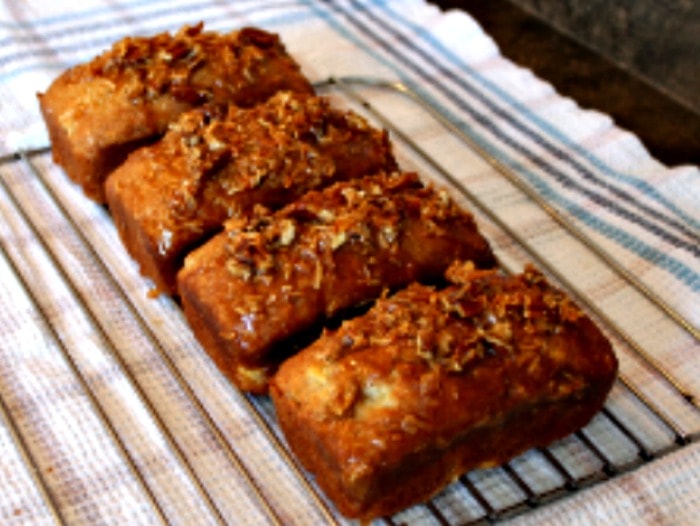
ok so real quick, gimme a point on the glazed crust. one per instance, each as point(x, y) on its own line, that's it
point(429, 384)
point(211, 165)
point(98, 112)
point(273, 276)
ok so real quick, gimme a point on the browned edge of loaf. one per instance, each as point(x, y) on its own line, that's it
point(88, 171)
point(141, 248)
point(214, 342)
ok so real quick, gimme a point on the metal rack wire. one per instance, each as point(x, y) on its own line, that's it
point(632, 429)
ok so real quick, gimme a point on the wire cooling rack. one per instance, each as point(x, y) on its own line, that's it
point(641, 422)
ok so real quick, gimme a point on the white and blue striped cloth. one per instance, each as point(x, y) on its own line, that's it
point(646, 216)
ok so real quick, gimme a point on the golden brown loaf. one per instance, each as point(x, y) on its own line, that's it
point(169, 197)
point(429, 384)
point(98, 112)
point(272, 276)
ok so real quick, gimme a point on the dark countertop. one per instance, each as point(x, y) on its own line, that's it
point(670, 130)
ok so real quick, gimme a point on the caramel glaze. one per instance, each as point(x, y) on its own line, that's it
point(273, 275)
point(98, 112)
point(430, 384)
point(215, 164)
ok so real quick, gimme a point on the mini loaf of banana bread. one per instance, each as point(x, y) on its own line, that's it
point(272, 276)
point(429, 384)
point(168, 198)
point(98, 112)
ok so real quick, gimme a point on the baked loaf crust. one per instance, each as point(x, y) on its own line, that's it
point(429, 384)
point(98, 112)
point(168, 198)
point(275, 275)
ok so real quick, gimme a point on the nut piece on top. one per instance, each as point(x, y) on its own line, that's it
point(211, 165)
point(272, 276)
point(98, 112)
point(429, 384)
